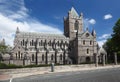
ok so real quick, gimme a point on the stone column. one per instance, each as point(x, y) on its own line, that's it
point(96, 60)
point(115, 58)
point(106, 59)
point(103, 59)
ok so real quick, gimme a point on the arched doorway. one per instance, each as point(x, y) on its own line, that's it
point(87, 59)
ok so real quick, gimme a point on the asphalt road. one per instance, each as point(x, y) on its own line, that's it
point(102, 75)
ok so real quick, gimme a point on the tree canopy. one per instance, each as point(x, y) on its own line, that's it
point(113, 43)
point(3, 49)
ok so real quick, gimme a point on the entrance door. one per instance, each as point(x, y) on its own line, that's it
point(88, 59)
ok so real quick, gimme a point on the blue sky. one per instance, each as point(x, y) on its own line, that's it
point(47, 16)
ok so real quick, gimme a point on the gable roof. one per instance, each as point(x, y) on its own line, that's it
point(73, 12)
point(83, 35)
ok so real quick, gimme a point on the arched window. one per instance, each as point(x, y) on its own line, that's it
point(32, 42)
point(87, 51)
point(58, 43)
point(76, 25)
point(60, 56)
point(23, 42)
point(52, 57)
point(50, 43)
point(43, 57)
point(32, 57)
point(16, 55)
point(90, 42)
point(41, 42)
point(19, 54)
point(83, 42)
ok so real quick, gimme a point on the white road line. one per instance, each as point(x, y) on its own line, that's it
point(10, 79)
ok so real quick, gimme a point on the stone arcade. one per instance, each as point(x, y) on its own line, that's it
point(74, 46)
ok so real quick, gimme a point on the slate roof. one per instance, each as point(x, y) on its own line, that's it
point(40, 35)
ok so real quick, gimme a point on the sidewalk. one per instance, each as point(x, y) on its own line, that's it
point(17, 75)
point(4, 77)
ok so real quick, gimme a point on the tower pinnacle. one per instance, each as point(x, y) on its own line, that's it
point(17, 31)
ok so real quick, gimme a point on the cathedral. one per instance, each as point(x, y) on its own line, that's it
point(75, 46)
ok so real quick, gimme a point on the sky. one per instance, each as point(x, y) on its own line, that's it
point(47, 16)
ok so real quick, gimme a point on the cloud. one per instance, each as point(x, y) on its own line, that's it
point(14, 14)
point(104, 36)
point(88, 22)
point(101, 42)
point(92, 21)
point(102, 39)
point(108, 16)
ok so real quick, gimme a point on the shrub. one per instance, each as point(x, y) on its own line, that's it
point(2, 66)
point(9, 66)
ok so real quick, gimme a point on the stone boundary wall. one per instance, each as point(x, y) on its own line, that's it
point(45, 69)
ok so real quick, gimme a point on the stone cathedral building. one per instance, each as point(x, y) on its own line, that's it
point(76, 45)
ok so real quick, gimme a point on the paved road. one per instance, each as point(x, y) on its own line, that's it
point(102, 75)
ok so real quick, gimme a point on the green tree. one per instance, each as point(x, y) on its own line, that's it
point(108, 46)
point(116, 36)
point(3, 50)
point(113, 44)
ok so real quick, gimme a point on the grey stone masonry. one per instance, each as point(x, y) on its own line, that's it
point(75, 46)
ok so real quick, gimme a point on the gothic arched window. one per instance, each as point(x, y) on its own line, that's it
point(83, 42)
point(76, 25)
point(19, 54)
point(90, 42)
point(50, 43)
point(32, 57)
point(23, 42)
point(87, 51)
point(43, 57)
point(60, 56)
point(32, 42)
point(52, 57)
point(16, 55)
point(41, 42)
point(58, 43)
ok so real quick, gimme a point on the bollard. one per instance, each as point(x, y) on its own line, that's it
point(52, 67)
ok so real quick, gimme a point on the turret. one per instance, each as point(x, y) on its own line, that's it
point(73, 23)
point(2, 42)
point(94, 33)
point(17, 31)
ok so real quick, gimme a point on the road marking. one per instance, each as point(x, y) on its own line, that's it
point(10, 79)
